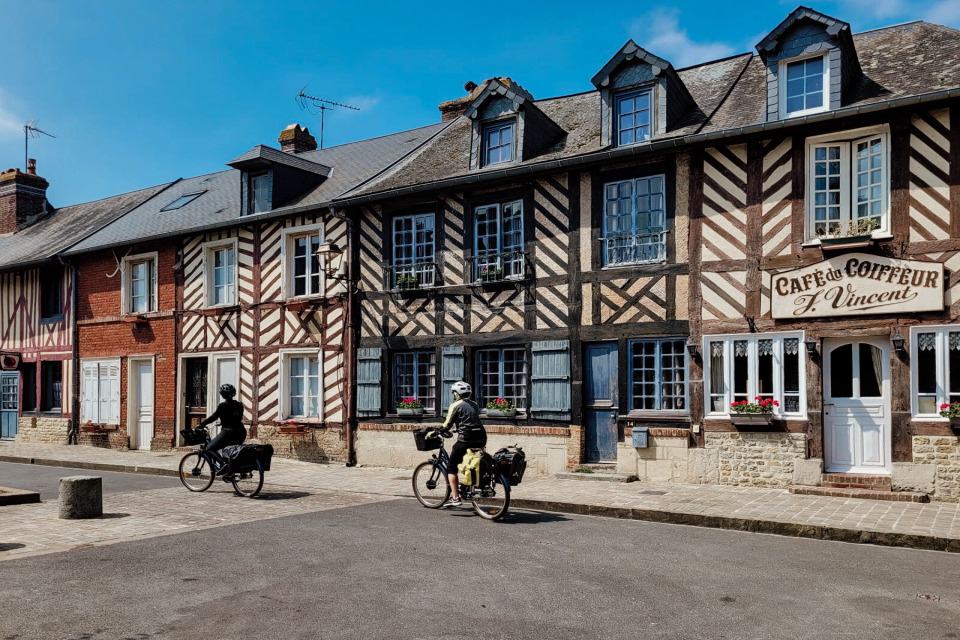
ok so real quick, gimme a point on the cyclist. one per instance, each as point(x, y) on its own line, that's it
point(464, 414)
point(230, 414)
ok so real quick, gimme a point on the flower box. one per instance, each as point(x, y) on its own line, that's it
point(751, 419)
point(497, 413)
point(955, 423)
point(293, 428)
point(409, 412)
point(297, 305)
point(91, 428)
point(848, 242)
point(134, 318)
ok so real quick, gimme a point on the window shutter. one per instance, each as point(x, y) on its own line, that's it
point(368, 382)
point(452, 371)
point(550, 377)
point(110, 394)
point(270, 190)
point(88, 394)
point(244, 193)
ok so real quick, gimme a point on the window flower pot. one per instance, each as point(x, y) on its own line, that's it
point(293, 428)
point(91, 428)
point(210, 313)
point(847, 242)
point(297, 305)
point(955, 424)
point(751, 419)
point(134, 318)
point(409, 412)
point(496, 413)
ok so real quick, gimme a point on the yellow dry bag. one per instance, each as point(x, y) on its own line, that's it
point(469, 470)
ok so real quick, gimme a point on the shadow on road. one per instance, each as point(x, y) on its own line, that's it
point(282, 495)
point(518, 517)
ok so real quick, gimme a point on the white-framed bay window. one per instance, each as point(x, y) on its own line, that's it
point(100, 391)
point(634, 221)
point(303, 275)
point(220, 270)
point(804, 86)
point(934, 369)
point(848, 183)
point(413, 251)
point(301, 392)
point(746, 366)
point(138, 282)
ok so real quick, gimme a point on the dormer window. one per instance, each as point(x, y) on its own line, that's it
point(633, 117)
point(260, 193)
point(806, 84)
point(498, 142)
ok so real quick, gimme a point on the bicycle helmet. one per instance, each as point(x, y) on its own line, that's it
point(228, 391)
point(461, 388)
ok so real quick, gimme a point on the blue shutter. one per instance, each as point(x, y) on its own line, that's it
point(270, 190)
point(368, 382)
point(550, 378)
point(244, 193)
point(451, 366)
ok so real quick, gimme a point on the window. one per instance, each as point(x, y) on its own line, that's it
point(769, 366)
point(305, 276)
point(413, 251)
point(502, 373)
point(658, 372)
point(140, 284)
point(51, 300)
point(303, 386)
point(499, 241)
point(260, 195)
point(415, 376)
point(634, 221)
point(100, 391)
point(51, 385)
point(935, 368)
point(498, 142)
point(632, 117)
point(28, 377)
point(222, 273)
point(807, 82)
point(849, 185)
point(183, 201)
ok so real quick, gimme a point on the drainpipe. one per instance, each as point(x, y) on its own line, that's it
point(348, 342)
point(73, 432)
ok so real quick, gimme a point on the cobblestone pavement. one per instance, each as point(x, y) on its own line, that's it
point(934, 525)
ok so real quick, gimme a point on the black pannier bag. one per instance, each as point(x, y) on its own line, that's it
point(511, 463)
point(264, 453)
point(193, 437)
point(244, 457)
point(425, 442)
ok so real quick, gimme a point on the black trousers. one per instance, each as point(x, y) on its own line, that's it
point(227, 437)
point(459, 449)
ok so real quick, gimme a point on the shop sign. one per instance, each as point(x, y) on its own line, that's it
point(856, 284)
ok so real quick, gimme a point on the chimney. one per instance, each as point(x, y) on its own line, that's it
point(23, 197)
point(454, 108)
point(293, 139)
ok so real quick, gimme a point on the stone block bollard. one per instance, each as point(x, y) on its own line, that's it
point(81, 497)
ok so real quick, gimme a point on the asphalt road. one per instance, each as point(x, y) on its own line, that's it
point(397, 571)
point(45, 479)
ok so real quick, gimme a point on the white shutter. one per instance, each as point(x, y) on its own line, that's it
point(88, 393)
point(109, 393)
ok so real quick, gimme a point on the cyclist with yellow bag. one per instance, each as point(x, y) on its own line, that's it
point(464, 415)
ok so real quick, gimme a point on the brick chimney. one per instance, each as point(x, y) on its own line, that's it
point(454, 108)
point(23, 197)
point(293, 139)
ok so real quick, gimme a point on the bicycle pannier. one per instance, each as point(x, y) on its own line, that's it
point(427, 439)
point(468, 471)
point(511, 463)
point(263, 453)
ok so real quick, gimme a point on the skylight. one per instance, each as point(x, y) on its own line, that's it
point(183, 201)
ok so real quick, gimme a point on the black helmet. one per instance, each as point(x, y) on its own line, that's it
point(228, 390)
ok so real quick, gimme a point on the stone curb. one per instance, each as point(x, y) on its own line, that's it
point(95, 466)
point(10, 496)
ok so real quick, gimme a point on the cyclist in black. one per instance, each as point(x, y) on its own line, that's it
point(230, 414)
point(464, 414)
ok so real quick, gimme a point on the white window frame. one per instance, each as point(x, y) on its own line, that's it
point(125, 282)
point(496, 258)
point(287, 260)
point(285, 356)
point(782, 86)
point(942, 332)
point(209, 249)
point(728, 364)
point(499, 125)
point(99, 362)
point(847, 140)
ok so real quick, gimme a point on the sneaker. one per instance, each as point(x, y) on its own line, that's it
point(453, 502)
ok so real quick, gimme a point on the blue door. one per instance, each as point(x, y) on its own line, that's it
point(9, 404)
point(600, 401)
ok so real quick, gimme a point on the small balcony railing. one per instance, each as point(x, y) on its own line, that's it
point(497, 267)
point(636, 249)
point(411, 276)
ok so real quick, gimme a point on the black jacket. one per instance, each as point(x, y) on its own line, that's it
point(229, 413)
point(465, 416)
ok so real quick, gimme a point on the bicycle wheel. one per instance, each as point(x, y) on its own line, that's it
point(248, 483)
point(196, 472)
point(495, 505)
point(430, 485)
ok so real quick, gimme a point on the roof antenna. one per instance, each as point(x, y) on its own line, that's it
point(30, 131)
point(305, 101)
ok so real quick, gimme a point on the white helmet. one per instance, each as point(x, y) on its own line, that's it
point(461, 388)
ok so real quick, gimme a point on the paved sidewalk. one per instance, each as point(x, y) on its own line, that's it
point(934, 525)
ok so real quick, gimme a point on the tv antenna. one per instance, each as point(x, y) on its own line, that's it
point(30, 130)
point(306, 101)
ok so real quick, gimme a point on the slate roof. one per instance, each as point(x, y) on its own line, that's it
point(45, 238)
point(350, 164)
point(899, 61)
point(271, 155)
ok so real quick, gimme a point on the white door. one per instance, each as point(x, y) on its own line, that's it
point(143, 375)
point(224, 372)
point(856, 411)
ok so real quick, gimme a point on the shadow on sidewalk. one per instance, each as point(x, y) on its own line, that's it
point(10, 546)
point(282, 495)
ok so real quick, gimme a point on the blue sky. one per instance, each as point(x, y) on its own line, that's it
point(140, 93)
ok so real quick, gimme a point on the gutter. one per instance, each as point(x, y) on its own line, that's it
point(656, 146)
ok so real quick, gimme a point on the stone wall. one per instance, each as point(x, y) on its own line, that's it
point(757, 459)
point(314, 445)
point(943, 452)
point(41, 430)
point(665, 459)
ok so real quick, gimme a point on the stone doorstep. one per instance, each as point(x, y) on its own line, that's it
point(18, 496)
point(856, 481)
point(597, 477)
point(865, 494)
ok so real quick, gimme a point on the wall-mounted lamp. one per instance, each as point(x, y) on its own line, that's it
point(693, 348)
point(899, 343)
point(329, 252)
point(811, 346)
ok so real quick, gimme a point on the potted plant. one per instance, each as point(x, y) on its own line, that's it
point(501, 408)
point(952, 412)
point(846, 236)
point(490, 273)
point(89, 427)
point(759, 412)
point(291, 426)
point(409, 407)
point(297, 304)
point(407, 282)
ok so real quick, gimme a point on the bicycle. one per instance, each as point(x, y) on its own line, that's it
point(199, 468)
point(432, 487)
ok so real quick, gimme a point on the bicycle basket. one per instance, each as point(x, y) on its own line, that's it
point(427, 442)
point(193, 437)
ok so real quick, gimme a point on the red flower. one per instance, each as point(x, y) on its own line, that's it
point(733, 404)
point(944, 406)
point(776, 404)
point(744, 402)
